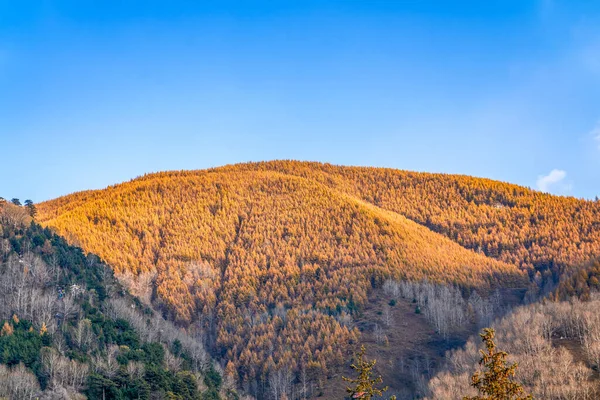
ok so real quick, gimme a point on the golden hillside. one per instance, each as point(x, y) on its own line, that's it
point(271, 262)
point(508, 222)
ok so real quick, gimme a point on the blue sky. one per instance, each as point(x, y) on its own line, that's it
point(97, 92)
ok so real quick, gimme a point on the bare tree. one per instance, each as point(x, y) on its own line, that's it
point(68, 307)
point(173, 362)
point(83, 334)
point(140, 285)
point(304, 383)
point(13, 215)
point(18, 383)
point(547, 372)
point(5, 247)
point(50, 361)
point(44, 309)
point(136, 369)
point(379, 335)
point(388, 318)
point(280, 383)
point(107, 363)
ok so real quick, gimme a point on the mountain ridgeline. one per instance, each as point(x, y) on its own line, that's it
point(270, 261)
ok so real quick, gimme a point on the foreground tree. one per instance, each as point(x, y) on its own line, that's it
point(364, 386)
point(497, 382)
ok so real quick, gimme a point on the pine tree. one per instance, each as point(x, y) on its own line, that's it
point(31, 208)
point(364, 385)
point(496, 383)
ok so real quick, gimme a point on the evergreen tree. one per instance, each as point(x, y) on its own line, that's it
point(364, 386)
point(31, 208)
point(497, 382)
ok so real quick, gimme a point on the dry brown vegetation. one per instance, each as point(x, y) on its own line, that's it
point(556, 346)
point(407, 348)
point(270, 259)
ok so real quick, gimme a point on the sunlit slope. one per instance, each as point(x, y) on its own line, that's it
point(265, 259)
point(151, 223)
point(508, 222)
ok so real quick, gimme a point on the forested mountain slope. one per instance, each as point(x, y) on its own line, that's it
point(508, 222)
point(70, 331)
point(270, 264)
point(582, 283)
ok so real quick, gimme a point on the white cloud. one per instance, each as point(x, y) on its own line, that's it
point(553, 179)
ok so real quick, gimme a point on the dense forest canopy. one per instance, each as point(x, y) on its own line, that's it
point(505, 221)
point(509, 222)
point(272, 259)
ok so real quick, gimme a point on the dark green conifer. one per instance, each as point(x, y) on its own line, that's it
point(364, 386)
point(497, 382)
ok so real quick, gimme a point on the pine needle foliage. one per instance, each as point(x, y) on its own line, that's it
point(497, 382)
point(364, 386)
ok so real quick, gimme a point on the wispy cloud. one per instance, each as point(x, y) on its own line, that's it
point(554, 180)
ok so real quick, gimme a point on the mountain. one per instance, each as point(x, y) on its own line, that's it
point(269, 262)
point(69, 329)
point(272, 260)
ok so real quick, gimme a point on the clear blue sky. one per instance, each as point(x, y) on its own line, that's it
point(97, 92)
